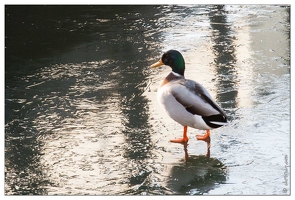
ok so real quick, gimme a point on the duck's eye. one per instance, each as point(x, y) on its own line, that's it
point(165, 58)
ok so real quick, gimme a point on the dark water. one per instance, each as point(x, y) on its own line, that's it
point(81, 115)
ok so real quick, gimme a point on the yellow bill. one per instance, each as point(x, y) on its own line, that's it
point(157, 64)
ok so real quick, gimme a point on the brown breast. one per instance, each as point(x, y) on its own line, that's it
point(169, 78)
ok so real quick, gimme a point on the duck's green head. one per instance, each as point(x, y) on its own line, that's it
point(173, 59)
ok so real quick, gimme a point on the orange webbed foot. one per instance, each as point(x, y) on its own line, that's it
point(182, 140)
point(205, 137)
point(179, 140)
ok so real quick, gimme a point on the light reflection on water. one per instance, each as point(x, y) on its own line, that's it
point(86, 120)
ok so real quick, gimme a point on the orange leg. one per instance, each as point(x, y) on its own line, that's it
point(205, 137)
point(184, 139)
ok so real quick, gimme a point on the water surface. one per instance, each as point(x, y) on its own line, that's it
point(81, 115)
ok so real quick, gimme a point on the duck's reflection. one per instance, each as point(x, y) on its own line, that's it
point(185, 145)
point(198, 175)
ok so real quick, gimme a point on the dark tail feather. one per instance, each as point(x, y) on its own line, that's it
point(215, 121)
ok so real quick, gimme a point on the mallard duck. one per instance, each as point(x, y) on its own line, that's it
point(186, 101)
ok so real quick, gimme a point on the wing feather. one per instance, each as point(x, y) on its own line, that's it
point(195, 98)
